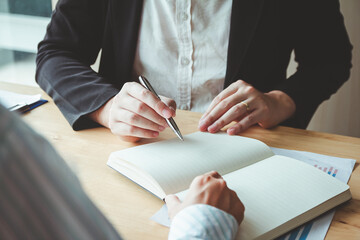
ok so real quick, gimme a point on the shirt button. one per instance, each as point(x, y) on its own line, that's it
point(184, 107)
point(184, 16)
point(185, 61)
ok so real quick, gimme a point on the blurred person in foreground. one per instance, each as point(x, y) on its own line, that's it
point(41, 198)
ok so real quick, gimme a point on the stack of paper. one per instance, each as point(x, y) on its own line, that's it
point(20, 102)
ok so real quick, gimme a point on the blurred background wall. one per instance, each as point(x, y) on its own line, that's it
point(341, 113)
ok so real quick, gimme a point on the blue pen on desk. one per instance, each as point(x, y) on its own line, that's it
point(24, 107)
point(170, 121)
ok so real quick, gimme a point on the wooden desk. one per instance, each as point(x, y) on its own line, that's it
point(129, 207)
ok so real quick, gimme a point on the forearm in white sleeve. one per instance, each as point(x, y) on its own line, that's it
point(203, 221)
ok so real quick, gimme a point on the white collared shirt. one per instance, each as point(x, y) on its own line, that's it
point(182, 49)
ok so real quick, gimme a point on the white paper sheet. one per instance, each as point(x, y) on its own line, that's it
point(10, 99)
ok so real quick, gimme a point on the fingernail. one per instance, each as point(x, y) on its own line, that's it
point(231, 131)
point(173, 110)
point(155, 134)
point(213, 128)
point(202, 122)
point(166, 113)
point(204, 125)
point(202, 129)
point(161, 128)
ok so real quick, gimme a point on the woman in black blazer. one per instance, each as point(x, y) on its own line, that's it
point(263, 33)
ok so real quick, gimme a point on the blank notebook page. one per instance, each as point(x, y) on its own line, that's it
point(174, 163)
point(278, 189)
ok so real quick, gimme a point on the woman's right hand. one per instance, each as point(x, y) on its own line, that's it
point(135, 113)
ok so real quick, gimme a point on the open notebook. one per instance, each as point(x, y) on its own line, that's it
point(279, 193)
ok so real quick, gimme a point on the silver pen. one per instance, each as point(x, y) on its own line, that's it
point(170, 121)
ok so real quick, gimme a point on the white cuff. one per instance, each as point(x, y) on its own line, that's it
point(203, 221)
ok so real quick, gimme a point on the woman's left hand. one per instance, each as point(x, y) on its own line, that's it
point(244, 104)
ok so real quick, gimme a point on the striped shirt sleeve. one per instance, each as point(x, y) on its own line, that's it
point(202, 221)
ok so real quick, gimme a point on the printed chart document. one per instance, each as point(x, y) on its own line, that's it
point(249, 167)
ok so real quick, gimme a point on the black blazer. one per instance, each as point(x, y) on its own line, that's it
point(263, 34)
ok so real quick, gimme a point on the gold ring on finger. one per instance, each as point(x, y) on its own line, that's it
point(246, 105)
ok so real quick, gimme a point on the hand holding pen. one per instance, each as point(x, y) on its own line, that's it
point(135, 113)
point(170, 121)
